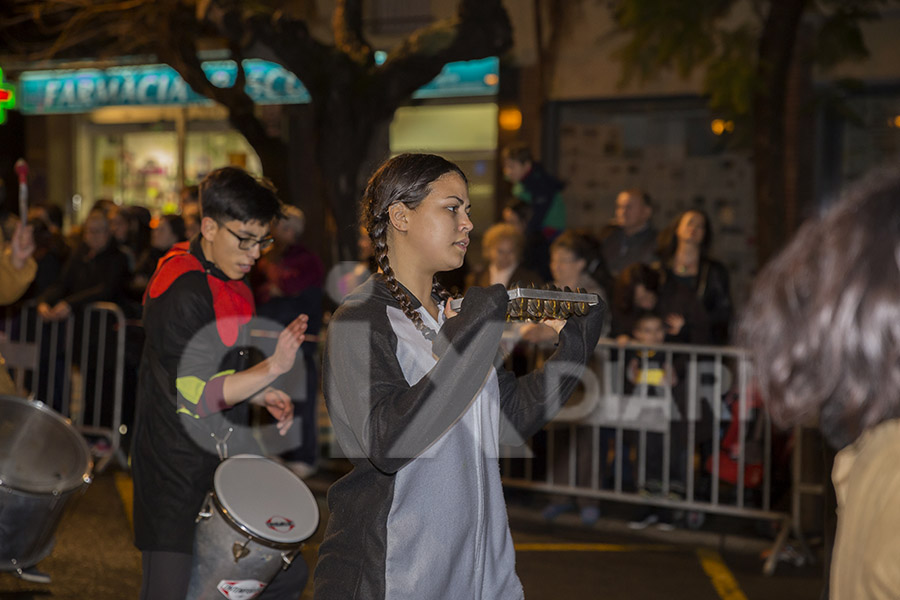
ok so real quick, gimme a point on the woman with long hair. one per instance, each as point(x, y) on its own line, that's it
point(420, 407)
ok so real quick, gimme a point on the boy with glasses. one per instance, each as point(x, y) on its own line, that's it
point(194, 385)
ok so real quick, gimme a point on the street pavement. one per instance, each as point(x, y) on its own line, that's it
point(94, 558)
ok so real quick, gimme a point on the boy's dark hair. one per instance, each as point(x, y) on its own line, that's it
point(231, 193)
point(646, 315)
point(823, 321)
point(519, 152)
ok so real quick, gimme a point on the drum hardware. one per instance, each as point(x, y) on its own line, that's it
point(240, 550)
point(222, 445)
point(550, 302)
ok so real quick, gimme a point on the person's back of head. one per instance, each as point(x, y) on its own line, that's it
point(823, 320)
point(231, 193)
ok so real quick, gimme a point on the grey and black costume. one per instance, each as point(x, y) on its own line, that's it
point(422, 513)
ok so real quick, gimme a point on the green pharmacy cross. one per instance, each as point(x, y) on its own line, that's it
point(7, 98)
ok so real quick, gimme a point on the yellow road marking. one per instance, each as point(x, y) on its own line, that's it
point(548, 547)
point(126, 493)
point(722, 579)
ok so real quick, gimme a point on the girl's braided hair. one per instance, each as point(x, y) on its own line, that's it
point(404, 178)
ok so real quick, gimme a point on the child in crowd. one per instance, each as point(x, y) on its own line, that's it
point(650, 379)
point(420, 404)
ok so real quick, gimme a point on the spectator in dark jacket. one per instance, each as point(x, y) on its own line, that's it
point(684, 256)
point(630, 238)
point(536, 187)
point(97, 270)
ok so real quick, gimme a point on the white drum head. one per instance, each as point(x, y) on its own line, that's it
point(266, 498)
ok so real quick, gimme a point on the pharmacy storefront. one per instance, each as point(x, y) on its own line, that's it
point(139, 134)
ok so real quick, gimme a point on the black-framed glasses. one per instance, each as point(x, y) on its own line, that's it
point(247, 243)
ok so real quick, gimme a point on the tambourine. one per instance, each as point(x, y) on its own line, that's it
point(531, 304)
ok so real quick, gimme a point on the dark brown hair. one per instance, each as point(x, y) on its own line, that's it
point(404, 178)
point(823, 321)
point(519, 152)
point(667, 240)
point(626, 283)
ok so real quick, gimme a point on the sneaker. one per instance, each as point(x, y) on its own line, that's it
point(665, 526)
point(554, 510)
point(589, 515)
point(647, 521)
point(33, 575)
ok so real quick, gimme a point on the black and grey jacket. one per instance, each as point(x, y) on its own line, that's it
point(422, 513)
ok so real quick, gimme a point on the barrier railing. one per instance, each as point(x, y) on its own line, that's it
point(674, 426)
point(75, 366)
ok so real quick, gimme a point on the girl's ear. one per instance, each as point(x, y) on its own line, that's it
point(398, 213)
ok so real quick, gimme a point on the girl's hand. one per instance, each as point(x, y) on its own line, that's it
point(279, 406)
point(537, 333)
point(449, 312)
point(555, 324)
point(289, 341)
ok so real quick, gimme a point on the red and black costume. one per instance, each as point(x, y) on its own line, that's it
point(195, 319)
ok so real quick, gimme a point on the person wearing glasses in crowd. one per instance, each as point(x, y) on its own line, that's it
point(194, 387)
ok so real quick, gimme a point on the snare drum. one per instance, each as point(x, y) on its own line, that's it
point(252, 524)
point(44, 461)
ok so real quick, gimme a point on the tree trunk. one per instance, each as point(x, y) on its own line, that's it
point(341, 153)
point(800, 133)
point(775, 52)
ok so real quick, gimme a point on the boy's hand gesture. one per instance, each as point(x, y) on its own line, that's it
point(279, 406)
point(289, 341)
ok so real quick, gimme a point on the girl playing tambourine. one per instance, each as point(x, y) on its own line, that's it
point(420, 404)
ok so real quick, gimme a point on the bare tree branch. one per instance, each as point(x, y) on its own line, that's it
point(481, 28)
point(347, 24)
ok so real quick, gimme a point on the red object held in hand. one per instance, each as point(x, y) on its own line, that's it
point(22, 170)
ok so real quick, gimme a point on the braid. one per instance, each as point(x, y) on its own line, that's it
point(379, 242)
point(437, 288)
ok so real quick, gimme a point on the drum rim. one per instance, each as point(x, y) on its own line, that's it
point(254, 537)
point(75, 481)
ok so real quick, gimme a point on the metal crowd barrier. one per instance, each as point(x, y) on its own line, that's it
point(707, 435)
point(75, 366)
